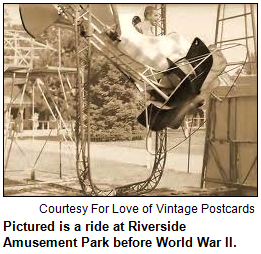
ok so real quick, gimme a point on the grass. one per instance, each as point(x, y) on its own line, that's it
point(112, 163)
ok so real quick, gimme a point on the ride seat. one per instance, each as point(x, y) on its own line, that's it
point(187, 92)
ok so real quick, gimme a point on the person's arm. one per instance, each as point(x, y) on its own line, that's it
point(138, 28)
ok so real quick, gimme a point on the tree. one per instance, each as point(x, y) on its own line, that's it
point(7, 21)
point(114, 104)
point(113, 101)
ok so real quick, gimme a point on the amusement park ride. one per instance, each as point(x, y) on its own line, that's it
point(174, 77)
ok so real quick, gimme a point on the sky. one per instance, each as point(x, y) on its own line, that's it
point(189, 20)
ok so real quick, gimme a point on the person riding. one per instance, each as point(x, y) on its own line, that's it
point(147, 26)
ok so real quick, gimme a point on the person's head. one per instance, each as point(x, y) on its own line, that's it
point(151, 15)
point(136, 20)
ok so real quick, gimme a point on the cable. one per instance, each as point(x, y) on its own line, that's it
point(208, 55)
point(191, 60)
point(148, 133)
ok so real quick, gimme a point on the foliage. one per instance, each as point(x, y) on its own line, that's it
point(8, 24)
point(114, 101)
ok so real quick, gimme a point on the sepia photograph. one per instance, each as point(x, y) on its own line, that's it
point(130, 100)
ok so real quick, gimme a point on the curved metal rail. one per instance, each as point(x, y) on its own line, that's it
point(125, 65)
point(82, 131)
point(84, 170)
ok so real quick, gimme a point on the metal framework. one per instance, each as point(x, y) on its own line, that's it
point(248, 36)
point(160, 28)
point(20, 49)
point(25, 72)
point(135, 72)
point(20, 53)
point(230, 178)
point(142, 76)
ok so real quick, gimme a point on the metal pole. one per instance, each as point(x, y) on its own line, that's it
point(208, 115)
point(59, 45)
point(79, 87)
point(254, 28)
point(88, 90)
point(217, 23)
point(21, 112)
point(40, 153)
point(15, 50)
point(45, 99)
point(58, 112)
point(189, 146)
point(33, 168)
point(9, 151)
point(156, 26)
point(32, 54)
point(246, 35)
point(66, 101)
point(222, 24)
point(33, 112)
point(12, 92)
point(10, 123)
point(60, 157)
point(163, 19)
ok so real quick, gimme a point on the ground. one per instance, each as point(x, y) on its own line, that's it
point(112, 163)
